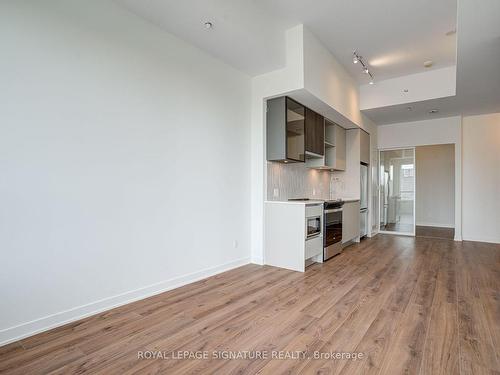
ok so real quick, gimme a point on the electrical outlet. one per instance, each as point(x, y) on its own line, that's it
point(276, 192)
point(314, 192)
point(235, 244)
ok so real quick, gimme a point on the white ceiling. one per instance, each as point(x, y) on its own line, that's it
point(244, 34)
point(394, 36)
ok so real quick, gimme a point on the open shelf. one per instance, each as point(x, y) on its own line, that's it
point(329, 134)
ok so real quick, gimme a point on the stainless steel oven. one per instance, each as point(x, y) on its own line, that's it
point(332, 234)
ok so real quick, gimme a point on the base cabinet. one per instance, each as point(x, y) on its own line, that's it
point(286, 244)
point(350, 221)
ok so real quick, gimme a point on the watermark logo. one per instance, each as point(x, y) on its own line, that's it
point(248, 354)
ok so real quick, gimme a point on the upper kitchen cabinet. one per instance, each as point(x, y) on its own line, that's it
point(364, 147)
point(334, 142)
point(335, 146)
point(286, 128)
point(315, 134)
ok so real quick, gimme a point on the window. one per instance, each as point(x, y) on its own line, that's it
point(407, 180)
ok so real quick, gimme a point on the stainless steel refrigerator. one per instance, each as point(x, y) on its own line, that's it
point(363, 207)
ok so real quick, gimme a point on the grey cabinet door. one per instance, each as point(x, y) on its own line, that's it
point(295, 130)
point(285, 130)
point(340, 148)
point(350, 221)
point(276, 129)
point(365, 147)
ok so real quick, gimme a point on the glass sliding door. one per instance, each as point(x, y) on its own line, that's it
point(397, 191)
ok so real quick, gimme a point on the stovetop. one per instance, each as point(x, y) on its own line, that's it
point(333, 200)
point(328, 202)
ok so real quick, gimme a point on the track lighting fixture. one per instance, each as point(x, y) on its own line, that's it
point(357, 58)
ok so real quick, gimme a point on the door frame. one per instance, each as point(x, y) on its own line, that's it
point(412, 233)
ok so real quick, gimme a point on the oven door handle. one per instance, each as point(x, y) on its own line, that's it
point(311, 236)
point(334, 210)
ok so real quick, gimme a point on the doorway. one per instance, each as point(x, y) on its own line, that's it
point(397, 191)
point(435, 191)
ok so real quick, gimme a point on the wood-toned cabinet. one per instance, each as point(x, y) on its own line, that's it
point(285, 130)
point(315, 133)
point(334, 157)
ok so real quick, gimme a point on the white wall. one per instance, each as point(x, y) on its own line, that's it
point(327, 79)
point(113, 136)
point(435, 185)
point(420, 133)
point(481, 178)
point(446, 130)
point(437, 83)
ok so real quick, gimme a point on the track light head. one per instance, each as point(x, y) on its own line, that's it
point(356, 58)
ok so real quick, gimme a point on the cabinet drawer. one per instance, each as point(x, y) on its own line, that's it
point(314, 246)
point(316, 210)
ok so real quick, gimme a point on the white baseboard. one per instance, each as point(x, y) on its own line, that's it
point(438, 225)
point(257, 260)
point(33, 327)
point(482, 239)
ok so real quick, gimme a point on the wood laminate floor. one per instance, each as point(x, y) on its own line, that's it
point(410, 305)
point(437, 232)
point(397, 227)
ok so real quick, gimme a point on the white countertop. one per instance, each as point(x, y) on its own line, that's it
point(312, 201)
point(309, 202)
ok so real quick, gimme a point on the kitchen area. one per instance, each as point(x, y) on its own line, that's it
point(318, 181)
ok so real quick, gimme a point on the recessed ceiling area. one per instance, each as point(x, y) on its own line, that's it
point(419, 111)
point(477, 78)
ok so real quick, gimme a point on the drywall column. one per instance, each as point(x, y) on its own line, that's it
point(481, 178)
point(275, 83)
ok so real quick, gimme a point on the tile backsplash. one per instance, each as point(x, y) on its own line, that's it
point(286, 181)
